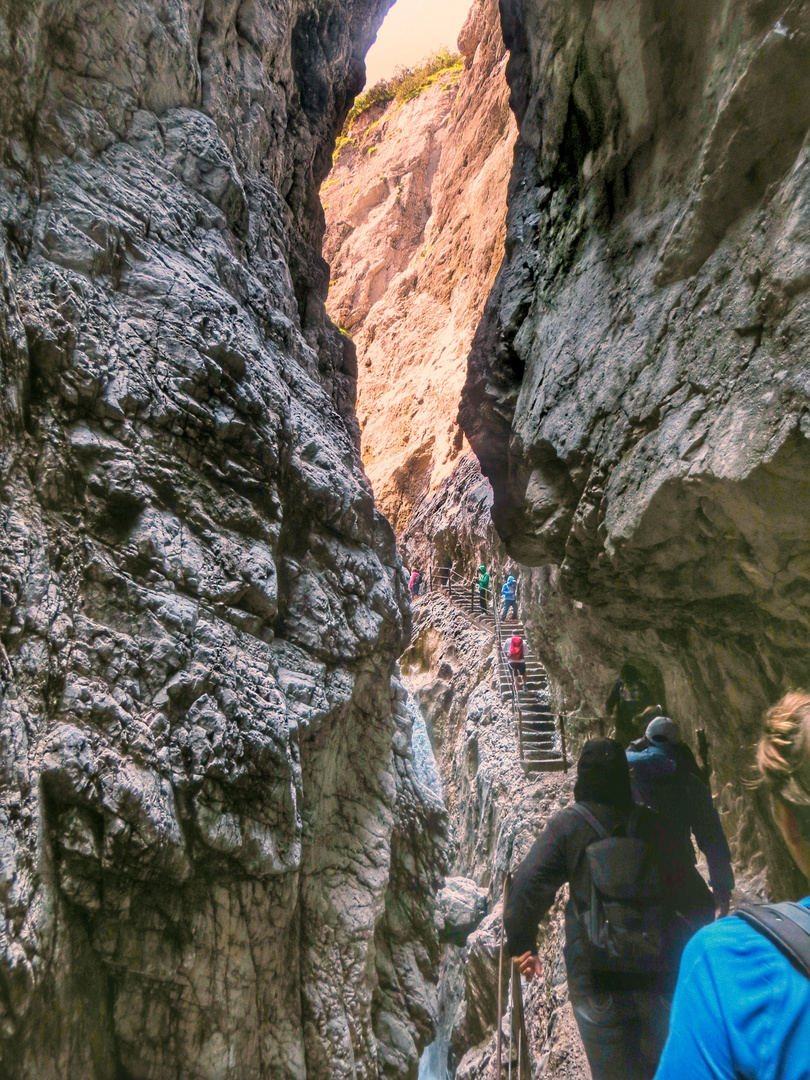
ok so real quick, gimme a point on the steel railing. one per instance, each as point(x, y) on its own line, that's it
point(517, 1018)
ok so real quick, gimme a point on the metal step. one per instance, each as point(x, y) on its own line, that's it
point(530, 767)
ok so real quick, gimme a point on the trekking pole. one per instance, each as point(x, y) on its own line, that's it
point(499, 1033)
point(511, 1010)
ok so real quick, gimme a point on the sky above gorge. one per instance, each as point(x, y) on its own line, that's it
point(412, 30)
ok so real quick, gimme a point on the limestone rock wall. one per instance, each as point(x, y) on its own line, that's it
point(200, 606)
point(638, 389)
point(415, 210)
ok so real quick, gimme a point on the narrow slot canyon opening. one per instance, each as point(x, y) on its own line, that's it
point(415, 209)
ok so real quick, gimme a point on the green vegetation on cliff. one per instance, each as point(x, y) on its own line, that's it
point(404, 84)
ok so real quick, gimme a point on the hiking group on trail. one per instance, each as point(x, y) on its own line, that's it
point(665, 980)
point(640, 921)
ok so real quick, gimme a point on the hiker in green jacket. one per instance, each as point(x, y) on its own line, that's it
point(483, 586)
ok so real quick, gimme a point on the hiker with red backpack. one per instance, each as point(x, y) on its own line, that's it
point(415, 583)
point(627, 917)
point(515, 652)
point(742, 1006)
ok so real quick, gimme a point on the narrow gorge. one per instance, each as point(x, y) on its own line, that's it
point(545, 305)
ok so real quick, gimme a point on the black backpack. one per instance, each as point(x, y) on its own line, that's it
point(627, 928)
point(787, 926)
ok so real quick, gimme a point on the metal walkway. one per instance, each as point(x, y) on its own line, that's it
point(541, 737)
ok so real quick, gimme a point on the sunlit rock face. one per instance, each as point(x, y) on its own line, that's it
point(416, 218)
point(638, 389)
point(202, 754)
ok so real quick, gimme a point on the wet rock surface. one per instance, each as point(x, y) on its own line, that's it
point(415, 211)
point(206, 797)
point(637, 390)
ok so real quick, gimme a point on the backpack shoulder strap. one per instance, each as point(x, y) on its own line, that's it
point(592, 820)
point(787, 926)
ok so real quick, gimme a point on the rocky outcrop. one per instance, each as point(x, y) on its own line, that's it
point(463, 904)
point(637, 391)
point(202, 800)
point(415, 210)
point(454, 525)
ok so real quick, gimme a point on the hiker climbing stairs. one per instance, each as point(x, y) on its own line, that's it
point(540, 743)
point(464, 595)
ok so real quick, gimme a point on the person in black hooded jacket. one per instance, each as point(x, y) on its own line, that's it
point(622, 1019)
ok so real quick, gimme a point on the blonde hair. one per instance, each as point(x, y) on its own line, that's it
point(783, 754)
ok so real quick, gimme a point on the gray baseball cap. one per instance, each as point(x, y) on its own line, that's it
point(662, 729)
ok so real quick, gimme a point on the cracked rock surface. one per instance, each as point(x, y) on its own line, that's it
point(638, 388)
point(203, 794)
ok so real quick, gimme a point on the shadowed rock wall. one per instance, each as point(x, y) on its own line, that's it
point(638, 390)
point(200, 605)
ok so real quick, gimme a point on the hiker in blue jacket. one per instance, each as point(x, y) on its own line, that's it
point(509, 594)
point(663, 778)
point(742, 1009)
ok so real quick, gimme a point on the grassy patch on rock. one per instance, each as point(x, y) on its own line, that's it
point(405, 84)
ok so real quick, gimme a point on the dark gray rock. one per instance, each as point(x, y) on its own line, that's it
point(638, 390)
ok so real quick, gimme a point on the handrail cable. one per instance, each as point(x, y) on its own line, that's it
point(514, 1006)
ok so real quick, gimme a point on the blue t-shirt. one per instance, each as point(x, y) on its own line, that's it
point(741, 1010)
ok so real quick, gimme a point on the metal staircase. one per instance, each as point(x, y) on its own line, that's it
point(542, 746)
point(541, 740)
